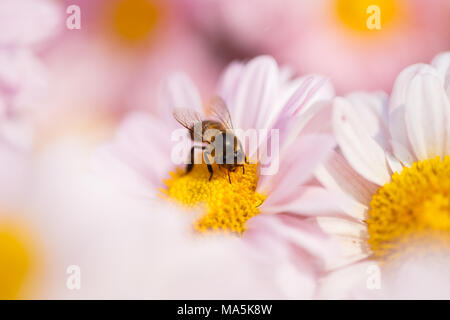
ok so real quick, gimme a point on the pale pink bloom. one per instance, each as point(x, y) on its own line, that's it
point(25, 25)
point(417, 31)
point(259, 95)
point(109, 65)
point(74, 224)
point(247, 27)
point(378, 137)
point(140, 248)
point(103, 70)
point(23, 87)
point(322, 36)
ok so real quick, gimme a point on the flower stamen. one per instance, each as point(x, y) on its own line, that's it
point(414, 208)
point(228, 205)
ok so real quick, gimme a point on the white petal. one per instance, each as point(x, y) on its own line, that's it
point(360, 149)
point(372, 111)
point(346, 282)
point(399, 91)
point(343, 227)
point(426, 114)
point(336, 174)
point(394, 164)
point(351, 237)
point(401, 146)
point(350, 249)
point(442, 64)
point(397, 124)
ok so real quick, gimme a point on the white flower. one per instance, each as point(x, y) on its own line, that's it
point(394, 164)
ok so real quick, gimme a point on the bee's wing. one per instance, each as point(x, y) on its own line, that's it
point(188, 118)
point(217, 110)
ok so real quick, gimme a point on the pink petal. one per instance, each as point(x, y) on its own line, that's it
point(142, 149)
point(294, 231)
point(178, 91)
point(228, 83)
point(296, 163)
point(306, 201)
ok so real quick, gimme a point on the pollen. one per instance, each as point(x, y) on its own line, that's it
point(227, 206)
point(412, 210)
point(136, 20)
point(15, 261)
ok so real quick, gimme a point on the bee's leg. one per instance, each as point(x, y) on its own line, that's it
point(191, 162)
point(208, 163)
point(243, 169)
point(229, 179)
point(246, 160)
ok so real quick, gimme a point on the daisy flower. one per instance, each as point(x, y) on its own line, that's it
point(303, 33)
point(259, 96)
point(393, 163)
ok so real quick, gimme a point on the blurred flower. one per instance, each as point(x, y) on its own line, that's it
point(413, 277)
point(394, 165)
point(330, 37)
point(25, 26)
point(122, 46)
point(28, 23)
point(121, 246)
point(259, 96)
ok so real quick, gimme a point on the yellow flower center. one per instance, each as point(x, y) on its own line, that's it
point(16, 261)
point(412, 210)
point(353, 13)
point(136, 20)
point(228, 205)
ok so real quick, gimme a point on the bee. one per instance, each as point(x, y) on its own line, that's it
point(214, 130)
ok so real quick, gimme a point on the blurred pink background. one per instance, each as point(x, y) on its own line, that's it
point(125, 48)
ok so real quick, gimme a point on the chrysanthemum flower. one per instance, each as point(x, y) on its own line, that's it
point(331, 37)
point(394, 164)
point(259, 96)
